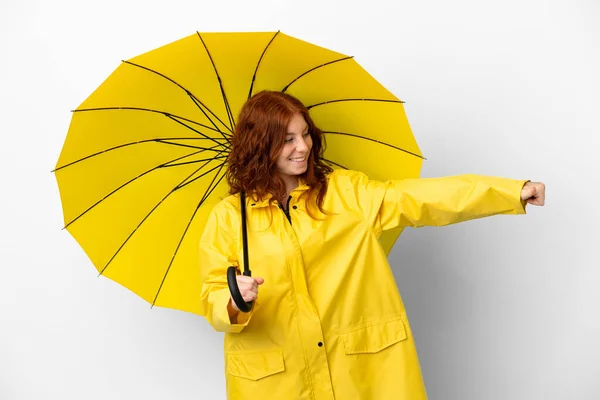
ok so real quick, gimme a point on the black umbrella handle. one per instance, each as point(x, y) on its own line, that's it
point(232, 271)
point(235, 290)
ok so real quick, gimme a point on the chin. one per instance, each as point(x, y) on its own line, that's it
point(301, 171)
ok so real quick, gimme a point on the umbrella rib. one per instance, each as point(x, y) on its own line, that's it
point(194, 162)
point(127, 183)
point(196, 101)
point(225, 100)
point(166, 114)
point(375, 141)
point(179, 186)
point(314, 68)
point(333, 163)
point(158, 140)
point(207, 161)
point(210, 189)
point(258, 63)
point(187, 145)
point(357, 99)
point(198, 132)
point(218, 130)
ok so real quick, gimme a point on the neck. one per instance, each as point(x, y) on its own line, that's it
point(291, 183)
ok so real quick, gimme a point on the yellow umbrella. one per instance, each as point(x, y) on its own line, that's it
point(144, 159)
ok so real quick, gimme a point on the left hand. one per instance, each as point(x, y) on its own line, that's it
point(534, 193)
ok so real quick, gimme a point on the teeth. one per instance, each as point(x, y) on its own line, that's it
point(297, 159)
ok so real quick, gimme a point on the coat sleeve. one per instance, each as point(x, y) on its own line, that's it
point(217, 253)
point(436, 201)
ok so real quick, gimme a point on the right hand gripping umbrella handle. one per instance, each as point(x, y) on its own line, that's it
point(235, 290)
point(232, 271)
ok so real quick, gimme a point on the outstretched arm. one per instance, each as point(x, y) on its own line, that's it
point(449, 200)
point(436, 201)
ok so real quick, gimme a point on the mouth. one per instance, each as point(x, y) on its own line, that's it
point(297, 159)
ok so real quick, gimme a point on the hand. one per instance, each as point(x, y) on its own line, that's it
point(534, 193)
point(248, 289)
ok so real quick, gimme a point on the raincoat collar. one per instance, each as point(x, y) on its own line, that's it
point(301, 188)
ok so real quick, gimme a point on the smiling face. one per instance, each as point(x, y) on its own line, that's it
point(293, 159)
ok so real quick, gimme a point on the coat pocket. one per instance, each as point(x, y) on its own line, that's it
point(255, 365)
point(374, 337)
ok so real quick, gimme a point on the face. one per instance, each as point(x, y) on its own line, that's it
point(293, 159)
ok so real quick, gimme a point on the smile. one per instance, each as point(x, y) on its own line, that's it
point(299, 159)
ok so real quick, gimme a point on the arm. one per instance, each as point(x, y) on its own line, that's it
point(449, 200)
point(217, 253)
point(432, 201)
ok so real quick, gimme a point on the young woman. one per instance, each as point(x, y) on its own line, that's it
point(329, 322)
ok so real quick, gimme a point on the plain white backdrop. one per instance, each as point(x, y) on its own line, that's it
point(502, 308)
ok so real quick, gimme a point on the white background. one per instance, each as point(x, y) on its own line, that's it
point(502, 308)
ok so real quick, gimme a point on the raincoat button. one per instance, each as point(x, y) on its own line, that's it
point(294, 207)
point(320, 344)
point(253, 204)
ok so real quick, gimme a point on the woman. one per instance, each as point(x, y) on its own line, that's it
point(329, 322)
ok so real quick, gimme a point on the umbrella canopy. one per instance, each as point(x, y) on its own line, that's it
point(144, 159)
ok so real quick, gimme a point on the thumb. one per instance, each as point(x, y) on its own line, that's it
point(528, 192)
point(259, 280)
point(533, 194)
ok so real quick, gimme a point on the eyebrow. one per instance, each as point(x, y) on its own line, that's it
point(303, 130)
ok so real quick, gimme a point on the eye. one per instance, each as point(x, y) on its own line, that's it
point(288, 140)
point(307, 134)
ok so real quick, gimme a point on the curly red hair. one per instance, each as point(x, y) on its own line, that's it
point(257, 141)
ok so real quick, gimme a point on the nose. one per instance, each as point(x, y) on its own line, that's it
point(301, 145)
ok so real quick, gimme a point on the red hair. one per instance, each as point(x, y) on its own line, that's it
point(257, 141)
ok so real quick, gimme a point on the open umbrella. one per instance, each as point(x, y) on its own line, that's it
point(144, 159)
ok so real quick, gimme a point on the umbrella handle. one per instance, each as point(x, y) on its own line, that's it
point(235, 290)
